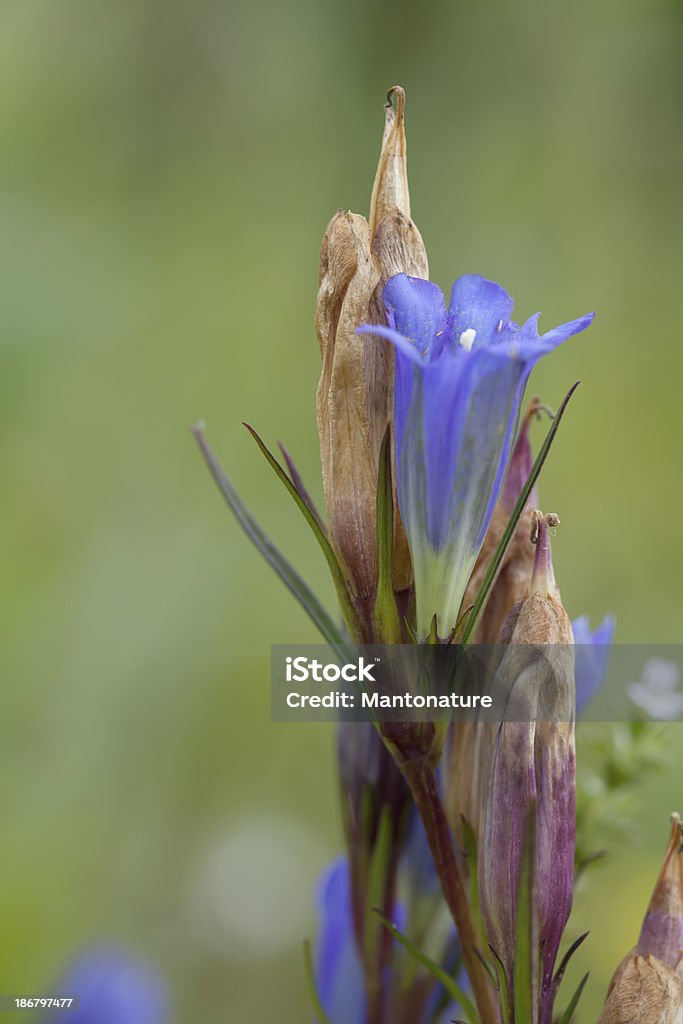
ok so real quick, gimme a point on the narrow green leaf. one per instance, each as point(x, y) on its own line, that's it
point(451, 986)
point(319, 534)
point(441, 1004)
point(298, 482)
point(486, 965)
point(318, 1007)
point(574, 1002)
point(525, 980)
point(559, 974)
point(496, 561)
point(377, 878)
point(386, 619)
point(272, 555)
point(503, 988)
point(410, 631)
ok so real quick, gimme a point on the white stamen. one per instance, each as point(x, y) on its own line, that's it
point(467, 338)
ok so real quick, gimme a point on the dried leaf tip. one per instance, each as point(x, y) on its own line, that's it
point(543, 575)
point(355, 393)
point(390, 191)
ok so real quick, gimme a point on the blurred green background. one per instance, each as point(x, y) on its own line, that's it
point(167, 173)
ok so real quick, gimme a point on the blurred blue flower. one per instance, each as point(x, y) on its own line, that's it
point(113, 987)
point(338, 971)
point(460, 377)
point(592, 653)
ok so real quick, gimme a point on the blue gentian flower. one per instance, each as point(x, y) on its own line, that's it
point(338, 970)
point(112, 987)
point(460, 377)
point(592, 651)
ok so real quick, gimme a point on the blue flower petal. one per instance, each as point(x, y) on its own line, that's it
point(551, 339)
point(592, 652)
point(525, 342)
point(416, 310)
point(454, 432)
point(339, 975)
point(407, 348)
point(479, 305)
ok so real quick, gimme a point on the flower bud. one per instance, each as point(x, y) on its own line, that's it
point(644, 991)
point(532, 774)
point(647, 986)
point(355, 393)
point(662, 931)
point(468, 748)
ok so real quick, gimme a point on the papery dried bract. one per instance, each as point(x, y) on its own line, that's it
point(390, 191)
point(353, 397)
point(355, 393)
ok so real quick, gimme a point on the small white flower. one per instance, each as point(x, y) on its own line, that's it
point(657, 693)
